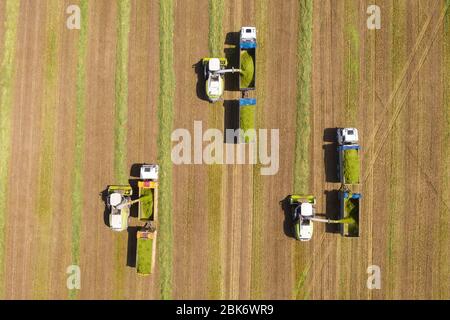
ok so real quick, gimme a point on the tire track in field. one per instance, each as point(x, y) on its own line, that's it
point(190, 181)
point(80, 127)
point(7, 71)
point(396, 207)
point(399, 107)
point(44, 204)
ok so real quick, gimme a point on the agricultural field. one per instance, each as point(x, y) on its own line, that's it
point(80, 108)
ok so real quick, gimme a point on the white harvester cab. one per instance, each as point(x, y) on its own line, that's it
point(347, 135)
point(306, 225)
point(248, 34)
point(116, 222)
point(214, 64)
point(118, 219)
point(149, 172)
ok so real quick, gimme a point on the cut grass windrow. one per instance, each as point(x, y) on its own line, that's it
point(396, 185)
point(216, 37)
point(49, 108)
point(165, 119)
point(303, 119)
point(444, 217)
point(352, 88)
point(120, 128)
point(215, 172)
point(7, 70)
point(80, 125)
point(352, 62)
point(257, 268)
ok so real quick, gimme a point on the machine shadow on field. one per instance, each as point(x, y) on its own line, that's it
point(132, 246)
point(231, 119)
point(332, 210)
point(288, 226)
point(134, 208)
point(200, 87)
point(135, 171)
point(232, 55)
point(104, 196)
point(330, 158)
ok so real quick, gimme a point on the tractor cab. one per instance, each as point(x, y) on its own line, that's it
point(347, 136)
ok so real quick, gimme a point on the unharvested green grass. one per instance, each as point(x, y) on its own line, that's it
point(216, 37)
point(165, 117)
point(352, 63)
point(120, 126)
point(303, 119)
point(45, 190)
point(80, 125)
point(121, 84)
point(7, 69)
point(303, 123)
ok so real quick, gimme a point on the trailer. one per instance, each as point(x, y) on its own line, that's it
point(247, 110)
point(349, 211)
point(247, 59)
point(148, 206)
point(146, 251)
point(147, 214)
point(348, 156)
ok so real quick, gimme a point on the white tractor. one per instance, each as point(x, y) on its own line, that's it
point(149, 172)
point(347, 136)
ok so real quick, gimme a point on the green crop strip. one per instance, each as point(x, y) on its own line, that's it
point(352, 62)
point(216, 38)
point(303, 118)
point(120, 127)
point(120, 154)
point(396, 207)
point(257, 273)
point(80, 126)
point(165, 117)
point(444, 290)
point(7, 69)
point(47, 145)
point(214, 184)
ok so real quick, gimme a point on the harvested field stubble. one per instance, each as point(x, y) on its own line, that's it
point(7, 68)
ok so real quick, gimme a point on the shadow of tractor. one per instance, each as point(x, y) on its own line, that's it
point(288, 225)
